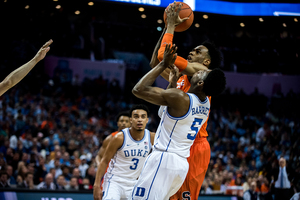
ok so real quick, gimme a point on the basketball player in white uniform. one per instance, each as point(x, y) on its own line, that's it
point(126, 154)
point(166, 167)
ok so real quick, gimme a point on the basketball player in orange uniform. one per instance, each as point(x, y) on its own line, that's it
point(202, 57)
point(122, 122)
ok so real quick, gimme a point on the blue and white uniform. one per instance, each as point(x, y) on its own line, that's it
point(125, 167)
point(166, 167)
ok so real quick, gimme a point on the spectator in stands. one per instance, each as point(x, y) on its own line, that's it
point(83, 166)
point(11, 178)
point(73, 184)
point(60, 182)
point(85, 185)
point(251, 194)
point(282, 183)
point(66, 172)
point(48, 184)
point(3, 180)
point(76, 173)
point(28, 181)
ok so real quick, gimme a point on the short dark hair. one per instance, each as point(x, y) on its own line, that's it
point(139, 107)
point(124, 113)
point(214, 53)
point(214, 83)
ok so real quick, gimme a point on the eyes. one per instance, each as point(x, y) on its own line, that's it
point(138, 116)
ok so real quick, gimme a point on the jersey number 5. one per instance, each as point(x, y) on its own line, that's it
point(195, 127)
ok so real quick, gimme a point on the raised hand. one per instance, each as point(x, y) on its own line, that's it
point(173, 14)
point(43, 51)
point(170, 55)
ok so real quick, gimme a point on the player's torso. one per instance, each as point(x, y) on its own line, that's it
point(177, 134)
point(129, 159)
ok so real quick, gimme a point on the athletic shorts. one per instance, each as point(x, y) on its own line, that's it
point(198, 165)
point(116, 188)
point(162, 175)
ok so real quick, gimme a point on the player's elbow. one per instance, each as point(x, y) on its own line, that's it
point(136, 91)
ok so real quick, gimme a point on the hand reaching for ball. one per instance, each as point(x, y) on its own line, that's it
point(180, 15)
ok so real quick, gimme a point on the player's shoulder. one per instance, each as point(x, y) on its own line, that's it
point(118, 137)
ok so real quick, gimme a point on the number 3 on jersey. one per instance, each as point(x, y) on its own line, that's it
point(136, 161)
point(195, 127)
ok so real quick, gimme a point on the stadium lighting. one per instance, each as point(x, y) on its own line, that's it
point(58, 7)
point(143, 16)
point(141, 9)
point(242, 24)
point(159, 28)
point(261, 19)
point(27, 6)
point(159, 21)
point(205, 16)
point(91, 3)
point(295, 19)
point(284, 24)
point(77, 12)
point(197, 25)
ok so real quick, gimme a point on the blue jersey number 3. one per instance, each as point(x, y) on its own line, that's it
point(136, 161)
point(195, 127)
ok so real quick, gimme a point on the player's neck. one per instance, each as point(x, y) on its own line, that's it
point(136, 134)
point(201, 95)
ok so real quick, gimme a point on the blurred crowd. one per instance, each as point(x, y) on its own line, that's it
point(49, 140)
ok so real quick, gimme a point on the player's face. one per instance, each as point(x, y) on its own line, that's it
point(123, 122)
point(139, 119)
point(198, 54)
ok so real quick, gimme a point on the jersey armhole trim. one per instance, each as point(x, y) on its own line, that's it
point(124, 140)
point(184, 116)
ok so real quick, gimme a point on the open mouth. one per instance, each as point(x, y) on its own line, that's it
point(189, 58)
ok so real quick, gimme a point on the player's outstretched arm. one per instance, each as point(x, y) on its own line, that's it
point(173, 97)
point(115, 143)
point(154, 60)
point(17, 75)
point(173, 20)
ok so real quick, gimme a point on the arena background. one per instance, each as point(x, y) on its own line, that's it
point(101, 50)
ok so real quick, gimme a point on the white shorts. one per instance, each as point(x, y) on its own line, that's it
point(116, 188)
point(162, 176)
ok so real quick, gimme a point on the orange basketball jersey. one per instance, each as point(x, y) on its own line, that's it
point(184, 84)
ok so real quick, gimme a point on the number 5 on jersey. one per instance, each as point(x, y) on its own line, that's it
point(195, 127)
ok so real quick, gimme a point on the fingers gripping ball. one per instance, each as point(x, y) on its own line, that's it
point(185, 11)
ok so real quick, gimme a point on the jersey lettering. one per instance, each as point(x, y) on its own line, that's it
point(186, 195)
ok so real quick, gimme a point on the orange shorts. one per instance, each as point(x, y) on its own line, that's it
point(198, 165)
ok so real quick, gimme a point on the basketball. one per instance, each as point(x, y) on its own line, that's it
point(185, 11)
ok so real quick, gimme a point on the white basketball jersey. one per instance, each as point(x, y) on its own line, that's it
point(129, 159)
point(177, 134)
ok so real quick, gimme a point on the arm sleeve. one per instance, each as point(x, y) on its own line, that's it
point(180, 62)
